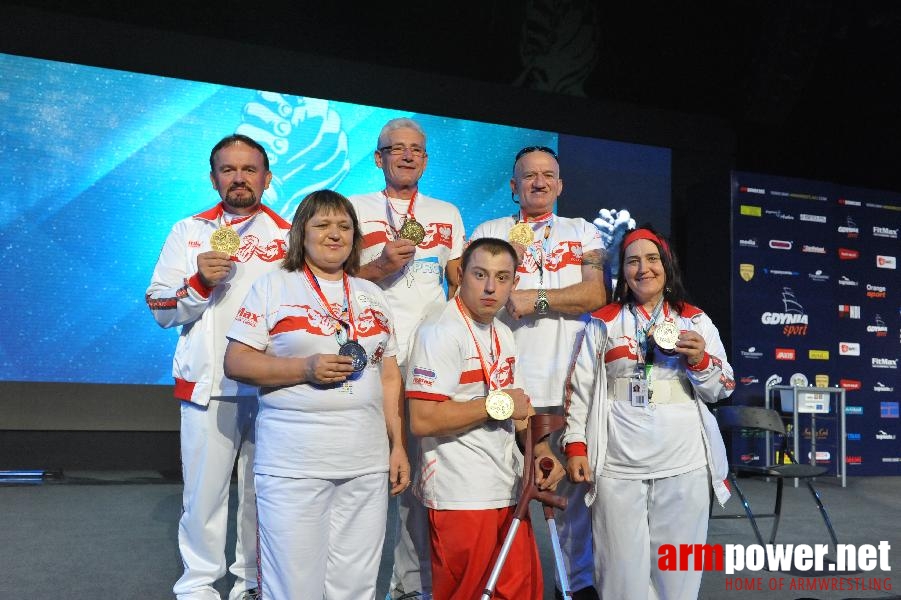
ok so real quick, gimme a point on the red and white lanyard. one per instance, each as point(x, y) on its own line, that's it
point(488, 369)
point(390, 211)
point(340, 334)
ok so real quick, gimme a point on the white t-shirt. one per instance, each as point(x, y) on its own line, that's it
point(545, 343)
point(308, 430)
point(480, 468)
point(416, 289)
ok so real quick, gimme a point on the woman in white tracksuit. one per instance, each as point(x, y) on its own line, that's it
point(320, 343)
point(638, 427)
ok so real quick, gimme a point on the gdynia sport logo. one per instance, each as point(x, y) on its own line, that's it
point(808, 564)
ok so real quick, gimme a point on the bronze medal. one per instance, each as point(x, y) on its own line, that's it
point(413, 231)
point(225, 239)
point(666, 334)
point(521, 233)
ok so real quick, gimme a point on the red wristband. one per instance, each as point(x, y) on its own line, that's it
point(702, 364)
point(195, 282)
point(576, 449)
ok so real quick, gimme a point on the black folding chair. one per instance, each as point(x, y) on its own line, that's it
point(734, 419)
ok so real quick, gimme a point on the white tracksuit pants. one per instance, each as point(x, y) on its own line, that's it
point(321, 538)
point(211, 438)
point(632, 518)
point(412, 571)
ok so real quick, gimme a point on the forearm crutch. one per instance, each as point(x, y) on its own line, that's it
point(539, 427)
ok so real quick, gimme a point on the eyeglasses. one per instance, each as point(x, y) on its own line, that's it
point(528, 149)
point(399, 149)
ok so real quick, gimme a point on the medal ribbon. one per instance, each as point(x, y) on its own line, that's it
point(488, 370)
point(641, 335)
point(548, 219)
point(314, 283)
point(390, 209)
point(226, 224)
point(238, 218)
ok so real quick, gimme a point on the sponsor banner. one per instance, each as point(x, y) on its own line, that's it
point(878, 328)
point(849, 311)
point(884, 363)
point(848, 349)
point(782, 272)
point(822, 299)
point(792, 319)
point(751, 353)
point(876, 291)
point(885, 232)
point(785, 354)
point(885, 262)
point(779, 215)
point(849, 229)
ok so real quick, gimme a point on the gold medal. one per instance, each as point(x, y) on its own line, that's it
point(413, 231)
point(521, 233)
point(225, 239)
point(499, 405)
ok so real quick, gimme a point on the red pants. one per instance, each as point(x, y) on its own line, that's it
point(465, 546)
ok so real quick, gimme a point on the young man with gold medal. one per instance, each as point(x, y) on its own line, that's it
point(467, 402)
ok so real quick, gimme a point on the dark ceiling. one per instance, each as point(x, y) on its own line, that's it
point(810, 88)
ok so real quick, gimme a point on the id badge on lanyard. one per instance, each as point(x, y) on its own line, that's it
point(638, 387)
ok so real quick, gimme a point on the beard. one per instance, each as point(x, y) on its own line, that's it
point(245, 200)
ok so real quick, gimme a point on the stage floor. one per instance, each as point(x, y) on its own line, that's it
point(113, 534)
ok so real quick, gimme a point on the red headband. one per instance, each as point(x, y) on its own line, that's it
point(646, 234)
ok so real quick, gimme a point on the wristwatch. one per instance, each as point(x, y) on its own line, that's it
point(499, 405)
point(541, 304)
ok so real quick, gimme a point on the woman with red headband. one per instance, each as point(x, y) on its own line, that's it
point(638, 427)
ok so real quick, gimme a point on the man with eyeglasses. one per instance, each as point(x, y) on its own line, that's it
point(412, 246)
point(561, 281)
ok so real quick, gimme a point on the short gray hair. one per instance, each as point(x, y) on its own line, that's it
point(400, 123)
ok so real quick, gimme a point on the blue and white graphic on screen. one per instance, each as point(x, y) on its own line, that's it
point(102, 163)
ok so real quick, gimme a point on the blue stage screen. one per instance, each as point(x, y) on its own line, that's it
point(100, 163)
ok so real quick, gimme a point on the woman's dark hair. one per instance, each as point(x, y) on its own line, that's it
point(326, 201)
point(673, 291)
